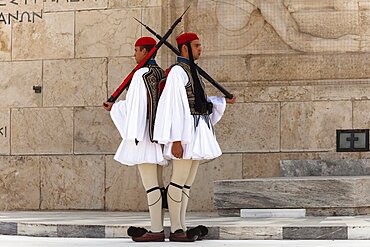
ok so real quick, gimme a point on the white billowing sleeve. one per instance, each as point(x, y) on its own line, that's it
point(173, 120)
point(136, 103)
point(118, 114)
point(218, 109)
point(129, 116)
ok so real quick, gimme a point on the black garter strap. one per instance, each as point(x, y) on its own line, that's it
point(186, 187)
point(152, 189)
point(176, 185)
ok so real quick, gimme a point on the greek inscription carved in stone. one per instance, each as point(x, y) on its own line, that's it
point(24, 16)
point(3, 131)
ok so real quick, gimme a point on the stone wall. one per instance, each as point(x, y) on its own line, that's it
point(300, 70)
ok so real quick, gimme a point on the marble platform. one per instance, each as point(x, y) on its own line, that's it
point(344, 167)
point(337, 195)
point(98, 224)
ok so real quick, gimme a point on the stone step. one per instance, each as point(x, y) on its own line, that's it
point(318, 195)
point(98, 224)
point(272, 213)
point(347, 167)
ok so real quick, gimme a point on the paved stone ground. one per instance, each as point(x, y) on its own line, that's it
point(23, 241)
point(97, 224)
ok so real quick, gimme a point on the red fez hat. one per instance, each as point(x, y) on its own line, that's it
point(145, 41)
point(186, 37)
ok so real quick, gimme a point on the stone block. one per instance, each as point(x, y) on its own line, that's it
point(4, 131)
point(312, 126)
point(343, 92)
point(365, 27)
point(39, 230)
point(123, 187)
point(78, 82)
point(41, 131)
point(286, 192)
point(227, 27)
point(358, 232)
point(94, 131)
point(272, 213)
point(236, 89)
point(328, 24)
point(152, 16)
point(250, 128)
point(20, 183)
point(346, 167)
point(116, 231)
point(72, 182)
point(53, 6)
point(315, 6)
point(279, 93)
point(106, 33)
point(267, 42)
point(81, 231)
point(226, 68)
point(134, 3)
point(8, 228)
point(319, 155)
point(268, 164)
point(228, 166)
point(118, 69)
point(361, 120)
point(17, 80)
point(51, 38)
point(293, 67)
point(249, 233)
point(324, 232)
point(261, 165)
point(5, 40)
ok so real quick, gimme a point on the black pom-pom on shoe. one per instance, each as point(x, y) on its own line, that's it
point(193, 233)
point(135, 232)
point(203, 231)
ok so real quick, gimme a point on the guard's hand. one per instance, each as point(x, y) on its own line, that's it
point(108, 105)
point(231, 101)
point(177, 150)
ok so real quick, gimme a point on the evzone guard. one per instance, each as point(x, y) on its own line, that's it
point(185, 125)
point(134, 118)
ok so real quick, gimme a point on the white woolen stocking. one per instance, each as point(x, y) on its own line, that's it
point(180, 173)
point(149, 177)
point(186, 192)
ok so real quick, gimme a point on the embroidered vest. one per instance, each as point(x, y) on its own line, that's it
point(151, 80)
point(189, 87)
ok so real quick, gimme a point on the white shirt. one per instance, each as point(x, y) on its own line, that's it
point(174, 121)
point(130, 118)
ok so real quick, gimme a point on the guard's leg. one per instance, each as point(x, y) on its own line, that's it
point(186, 191)
point(149, 177)
point(180, 172)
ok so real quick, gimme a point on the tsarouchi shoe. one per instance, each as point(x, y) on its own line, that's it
point(150, 237)
point(188, 236)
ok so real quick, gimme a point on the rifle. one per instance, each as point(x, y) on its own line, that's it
point(128, 78)
point(200, 70)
